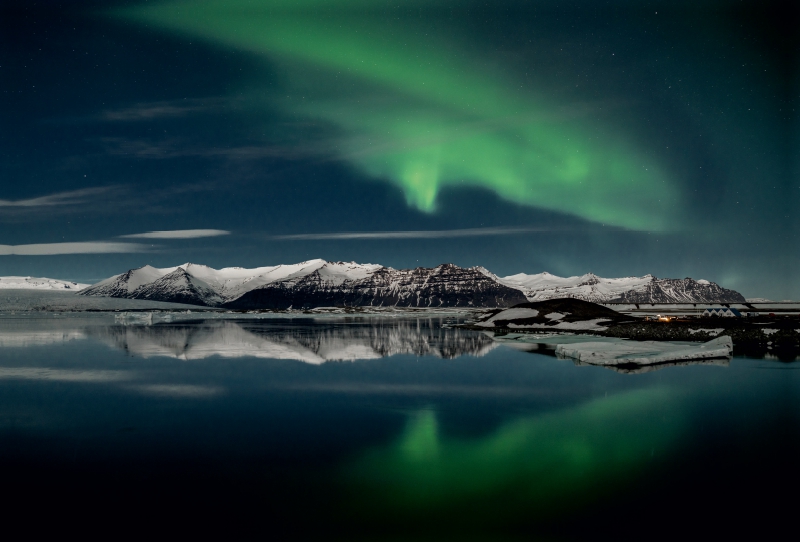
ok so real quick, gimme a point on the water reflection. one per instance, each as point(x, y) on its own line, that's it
point(316, 344)
point(545, 465)
point(510, 442)
point(641, 369)
point(24, 338)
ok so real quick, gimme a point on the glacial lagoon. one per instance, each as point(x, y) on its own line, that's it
point(381, 427)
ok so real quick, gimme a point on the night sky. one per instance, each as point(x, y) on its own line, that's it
point(619, 137)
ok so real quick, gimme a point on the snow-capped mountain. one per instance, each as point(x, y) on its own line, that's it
point(319, 283)
point(446, 285)
point(202, 285)
point(646, 289)
point(39, 283)
point(179, 286)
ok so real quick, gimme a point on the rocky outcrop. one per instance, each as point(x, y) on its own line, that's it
point(680, 291)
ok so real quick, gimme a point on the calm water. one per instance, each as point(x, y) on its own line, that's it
point(381, 429)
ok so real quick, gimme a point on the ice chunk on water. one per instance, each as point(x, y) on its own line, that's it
point(644, 352)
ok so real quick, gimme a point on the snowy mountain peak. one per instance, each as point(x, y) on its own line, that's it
point(485, 272)
point(322, 283)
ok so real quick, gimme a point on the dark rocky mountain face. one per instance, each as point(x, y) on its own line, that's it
point(443, 286)
point(178, 287)
point(680, 291)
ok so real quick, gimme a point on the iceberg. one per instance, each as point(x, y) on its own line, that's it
point(643, 352)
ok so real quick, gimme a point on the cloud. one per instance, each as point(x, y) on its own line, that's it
point(157, 110)
point(181, 148)
point(176, 234)
point(72, 197)
point(420, 234)
point(87, 247)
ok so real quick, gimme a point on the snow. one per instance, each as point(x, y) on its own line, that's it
point(509, 314)
point(543, 286)
point(644, 352)
point(555, 324)
point(713, 332)
point(227, 283)
point(769, 331)
point(703, 282)
point(336, 273)
point(38, 283)
point(137, 277)
point(232, 282)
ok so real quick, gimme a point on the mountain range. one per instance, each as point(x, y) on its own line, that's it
point(319, 283)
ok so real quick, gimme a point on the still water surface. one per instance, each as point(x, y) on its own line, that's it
point(382, 428)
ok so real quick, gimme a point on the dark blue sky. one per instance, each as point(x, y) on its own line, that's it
point(622, 139)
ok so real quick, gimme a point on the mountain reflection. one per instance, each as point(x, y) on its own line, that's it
point(312, 343)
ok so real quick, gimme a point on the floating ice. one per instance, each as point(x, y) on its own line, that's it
point(644, 352)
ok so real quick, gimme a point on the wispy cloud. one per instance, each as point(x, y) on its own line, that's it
point(417, 234)
point(86, 247)
point(72, 197)
point(179, 148)
point(176, 234)
point(165, 109)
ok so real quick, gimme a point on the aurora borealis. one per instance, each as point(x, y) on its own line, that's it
point(414, 111)
point(626, 139)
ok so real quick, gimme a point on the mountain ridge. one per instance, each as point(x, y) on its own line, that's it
point(320, 283)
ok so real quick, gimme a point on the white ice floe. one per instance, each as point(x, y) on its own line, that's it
point(769, 331)
point(713, 332)
point(644, 352)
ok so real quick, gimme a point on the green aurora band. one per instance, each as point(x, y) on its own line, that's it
point(410, 107)
point(536, 467)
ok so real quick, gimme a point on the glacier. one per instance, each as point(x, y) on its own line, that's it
point(39, 283)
